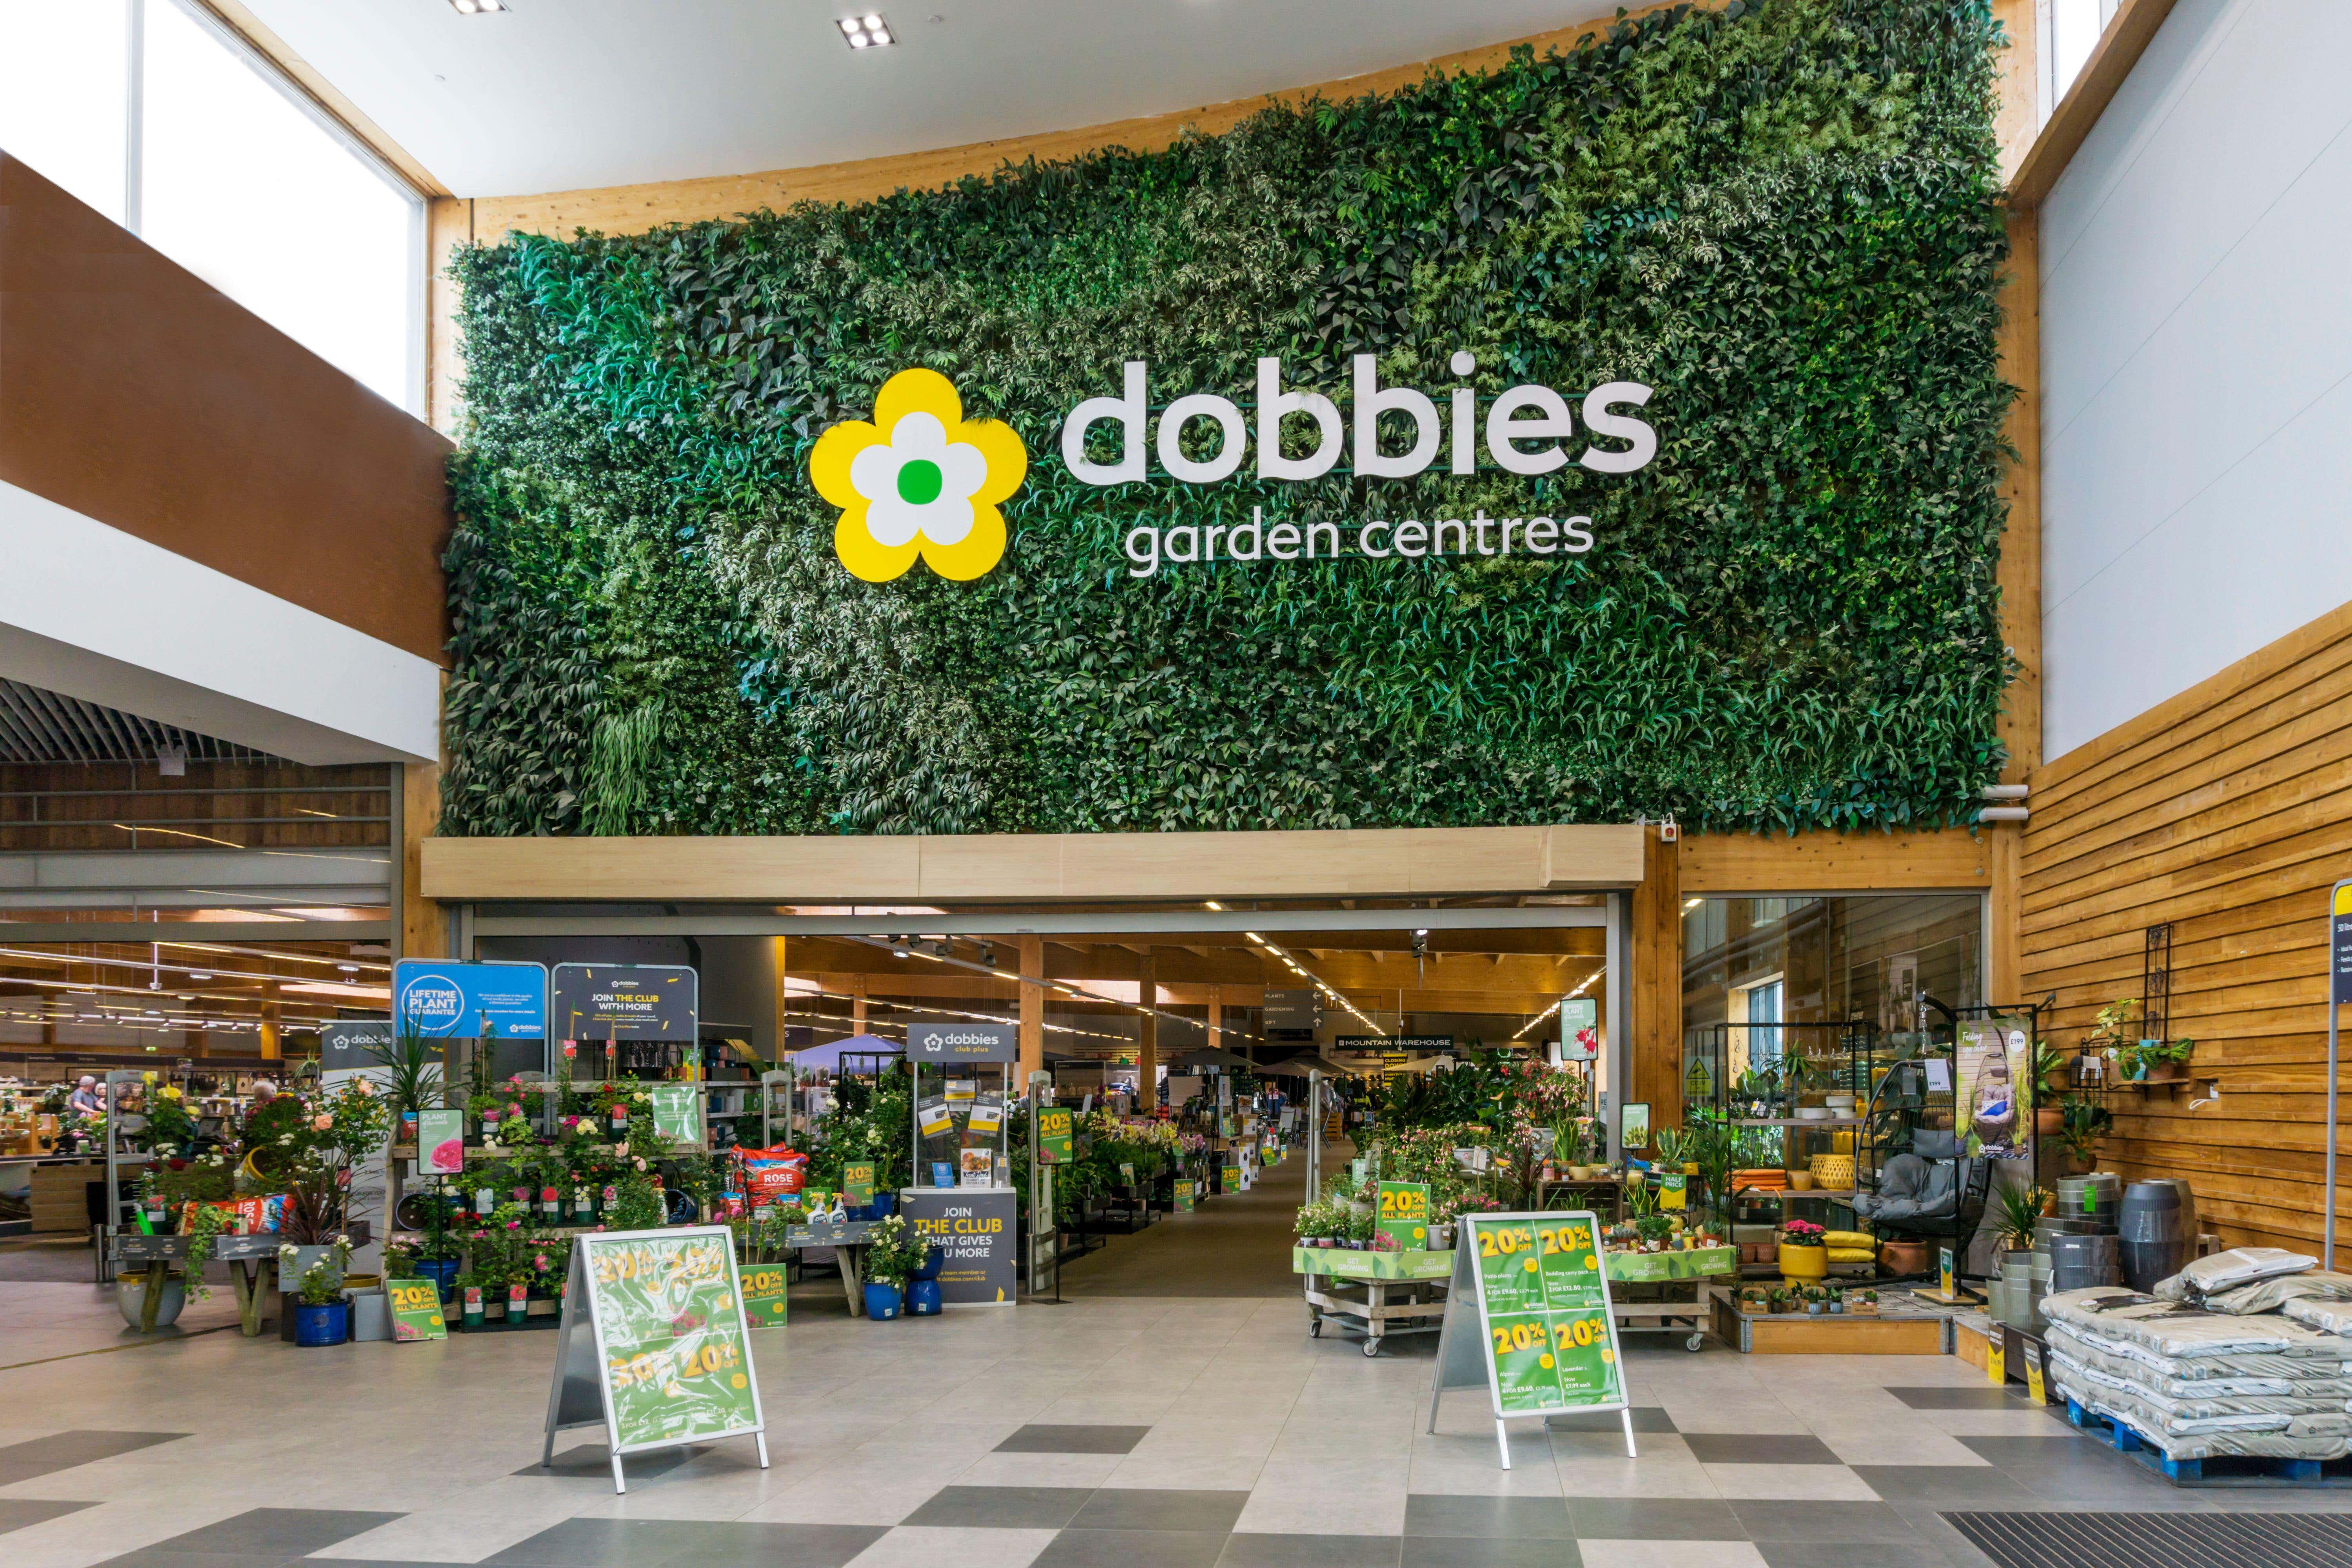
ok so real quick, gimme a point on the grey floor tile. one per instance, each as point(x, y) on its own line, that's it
point(597, 1543)
point(1257, 1551)
point(280, 1531)
point(1758, 1449)
point(1493, 1518)
point(1015, 1508)
point(1133, 1549)
point(595, 1460)
point(1984, 1396)
point(2014, 1453)
point(1646, 1418)
point(1043, 1438)
point(1946, 1486)
point(1153, 1507)
point(736, 1543)
point(16, 1514)
point(1913, 1553)
point(1487, 1551)
point(63, 1450)
point(1655, 1518)
point(154, 1557)
point(14, 1470)
point(1776, 1518)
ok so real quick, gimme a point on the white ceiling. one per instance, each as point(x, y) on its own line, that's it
point(565, 94)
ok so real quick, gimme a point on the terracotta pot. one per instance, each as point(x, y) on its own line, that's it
point(2050, 1121)
point(1903, 1256)
point(2167, 1072)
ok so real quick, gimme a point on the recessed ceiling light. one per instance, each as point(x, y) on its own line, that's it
point(477, 7)
point(867, 32)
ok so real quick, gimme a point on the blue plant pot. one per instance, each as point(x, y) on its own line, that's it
point(318, 1326)
point(882, 1302)
point(442, 1271)
point(924, 1299)
point(933, 1261)
point(884, 1205)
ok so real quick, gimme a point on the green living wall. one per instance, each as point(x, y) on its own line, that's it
point(1782, 217)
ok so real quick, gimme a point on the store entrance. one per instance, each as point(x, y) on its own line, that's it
point(1191, 1187)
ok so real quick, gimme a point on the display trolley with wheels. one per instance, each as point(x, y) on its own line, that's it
point(1683, 1303)
point(1375, 1294)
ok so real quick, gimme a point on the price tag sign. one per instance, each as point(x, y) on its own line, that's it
point(1054, 1135)
point(416, 1310)
point(1569, 1264)
point(1674, 1191)
point(678, 1113)
point(1995, 1351)
point(1233, 1178)
point(857, 1186)
point(1404, 1213)
point(1184, 1198)
point(1944, 1269)
point(763, 1294)
point(2034, 1375)
point(1510, 1267)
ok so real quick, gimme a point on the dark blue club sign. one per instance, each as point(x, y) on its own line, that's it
point(442, 1000)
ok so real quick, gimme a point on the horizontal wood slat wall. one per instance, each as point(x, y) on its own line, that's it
point(2224, 812)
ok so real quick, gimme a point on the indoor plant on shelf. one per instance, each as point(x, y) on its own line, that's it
point(2084, 1122)
point(2052, 1071)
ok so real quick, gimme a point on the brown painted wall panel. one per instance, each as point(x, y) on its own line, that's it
point(136, 393)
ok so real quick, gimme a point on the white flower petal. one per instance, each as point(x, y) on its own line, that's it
point(891, 520)
point(874, 472)
point(963, 469)
point(918, 434)
point(947, 519)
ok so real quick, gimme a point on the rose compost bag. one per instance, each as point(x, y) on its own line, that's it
point(2132, 1412)
point(2272, 1294)
point(2327, 1315)
point(773, 1175)
point(2206, 1412)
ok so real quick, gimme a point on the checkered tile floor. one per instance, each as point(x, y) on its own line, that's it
point(1788, 1499)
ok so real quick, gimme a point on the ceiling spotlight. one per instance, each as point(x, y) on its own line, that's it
point(867, 32)
point(349, 968)
point(200, 975)
point(477, 7)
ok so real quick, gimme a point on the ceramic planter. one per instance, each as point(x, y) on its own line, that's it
point(1801, 1262)
point(882, 1302)
point(316, 1327)
point(131, 1298)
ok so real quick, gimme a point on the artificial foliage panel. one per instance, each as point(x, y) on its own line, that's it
point(1782, 217)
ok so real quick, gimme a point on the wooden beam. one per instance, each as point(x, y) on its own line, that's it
point(1147, 1051)
point(423, 930)
point(1954, 859)
point(2129, 34)
point(1656, 1010)
point(1039, 868)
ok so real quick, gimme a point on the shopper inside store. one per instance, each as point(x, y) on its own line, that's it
point(1340, 784)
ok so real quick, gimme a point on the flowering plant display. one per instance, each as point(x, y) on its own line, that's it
point(1801, 1232)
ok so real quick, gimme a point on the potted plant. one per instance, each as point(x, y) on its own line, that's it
point(893, 1253)
point(469, 1286)
point(1777, 1299)
point(2084, 1122)
point(2165, 1061)
point(2015, 1212)
point(2051, 1072)
point(1863, 1300)
point(321, 1316)
point(1836, 1302)
point(1802, 1254)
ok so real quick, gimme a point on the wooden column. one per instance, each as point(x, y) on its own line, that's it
point(424, 930)
point(1147, 1055)
point(1657, 1000)
point(1033, 1008)
point(857, 1003)
point(269, 1051)
point(2021, 599)
point(783, 1000)
point(1216, 1016)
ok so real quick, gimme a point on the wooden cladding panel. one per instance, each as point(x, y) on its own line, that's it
point(2223, 813)
point(1044, 867)
point(1767, 863)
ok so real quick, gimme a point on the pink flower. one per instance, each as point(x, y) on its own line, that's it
point(514, 1224)
point(367, 1089)
point(514, 1111)
point(322, 1123)
point(539, 1261)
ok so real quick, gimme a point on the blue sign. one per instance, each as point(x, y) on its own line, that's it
point(470, 1001)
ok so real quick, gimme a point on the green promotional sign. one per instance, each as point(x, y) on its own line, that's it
point(678, 1113)
point(857, 1184)
point(671, 1336)
point(1403, 1213)
point(1544, 1326)
point(416, 1310)
point(441, 1143)
point(1054, 1135)
point(763, 1294)
point(1233, 1179)
point(1184, 1198)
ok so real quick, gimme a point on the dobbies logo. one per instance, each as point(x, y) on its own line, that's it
point(918, 480)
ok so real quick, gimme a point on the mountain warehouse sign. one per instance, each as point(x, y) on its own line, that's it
point(921, 480)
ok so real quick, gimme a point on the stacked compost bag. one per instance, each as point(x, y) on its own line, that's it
point(2244, 1352)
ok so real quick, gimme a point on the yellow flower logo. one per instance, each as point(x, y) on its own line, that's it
point(920, 480)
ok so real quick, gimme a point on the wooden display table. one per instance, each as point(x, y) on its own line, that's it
point(1675, 1310)
point(847, 1240)
point(251, 1260)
